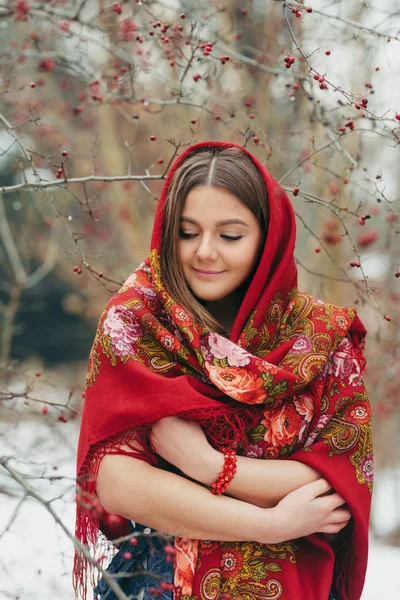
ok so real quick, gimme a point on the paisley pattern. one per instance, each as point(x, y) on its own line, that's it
point(286, 384)
point(314, 394)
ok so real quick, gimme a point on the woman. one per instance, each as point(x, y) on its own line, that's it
point(207, 358)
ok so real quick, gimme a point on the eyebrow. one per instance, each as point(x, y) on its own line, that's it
point(219, 223)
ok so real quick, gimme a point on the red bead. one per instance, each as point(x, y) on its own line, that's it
point(226, 475)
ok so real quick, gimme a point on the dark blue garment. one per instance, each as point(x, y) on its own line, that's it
point(156, 563)
point(148, 549)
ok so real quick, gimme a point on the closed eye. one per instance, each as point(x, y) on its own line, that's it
point(231, 238)
point(187, 236)
point(228, 238)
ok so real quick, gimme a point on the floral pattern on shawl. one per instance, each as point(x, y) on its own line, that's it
point(168, 364)
point(286, 395)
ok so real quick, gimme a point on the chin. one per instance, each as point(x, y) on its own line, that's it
point(209, 296)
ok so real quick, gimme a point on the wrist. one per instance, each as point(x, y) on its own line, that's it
point(270, 527)
point(208, 466)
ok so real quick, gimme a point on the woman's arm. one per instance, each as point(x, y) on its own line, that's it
point(176, 506)
point(263, 483)
point(260, 482)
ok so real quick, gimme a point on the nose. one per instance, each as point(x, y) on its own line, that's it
point(206, 250)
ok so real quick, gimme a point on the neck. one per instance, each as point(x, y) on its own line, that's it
point(226, 309)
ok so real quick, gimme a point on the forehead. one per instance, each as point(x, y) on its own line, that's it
point(214, 203)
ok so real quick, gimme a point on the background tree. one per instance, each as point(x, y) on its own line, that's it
point(97, 99)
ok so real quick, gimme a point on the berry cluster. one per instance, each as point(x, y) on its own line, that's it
point(289, 60)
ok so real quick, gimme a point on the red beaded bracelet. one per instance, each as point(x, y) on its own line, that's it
point(227, 473)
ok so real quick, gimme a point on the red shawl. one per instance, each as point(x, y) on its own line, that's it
point(287, 382)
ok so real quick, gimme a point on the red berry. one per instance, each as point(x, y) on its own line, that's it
point(196, 77)
point(133, 541)
point(127, 555)
point(392, 218)
point(64, 153)
point(397, 274)
point(164, 585)
point(32, 84)
point(387, 318)
point(327, 52)
point(45, 410)
point(296, 191)
point(367, 238)
point(309, 9)
point(397, 117)
point(317, 249)
point(256, 139)
point(76, 269)
point(160, 161)
point(193, 121)
point(153, 591)
point(244, 11)
point(116, 8)
point(169, 549)
point(153, 138)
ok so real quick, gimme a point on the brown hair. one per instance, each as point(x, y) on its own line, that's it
point(229, 168)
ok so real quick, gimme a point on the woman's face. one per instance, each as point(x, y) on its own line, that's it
point(220, 239)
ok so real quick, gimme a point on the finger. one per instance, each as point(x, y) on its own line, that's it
point(334, 528)
point(339, 515)
point(318, 487)
point(335, 500)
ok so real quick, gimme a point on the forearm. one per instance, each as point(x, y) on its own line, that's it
point(174, 505)
point(262, 483)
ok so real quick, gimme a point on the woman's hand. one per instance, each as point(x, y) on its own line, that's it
point(307, 510)
point(184, 444)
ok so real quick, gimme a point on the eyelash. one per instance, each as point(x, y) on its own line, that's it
point(227, 238)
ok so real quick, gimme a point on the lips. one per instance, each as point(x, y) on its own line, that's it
point(204, 272)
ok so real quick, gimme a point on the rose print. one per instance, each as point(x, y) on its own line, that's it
point(239, 384)
point(367, 467)
point(282, 426)
point(186, 551)
point(123, 329)
point(254, 451)
point(221, 348)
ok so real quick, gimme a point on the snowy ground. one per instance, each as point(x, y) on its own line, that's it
point(36, 555)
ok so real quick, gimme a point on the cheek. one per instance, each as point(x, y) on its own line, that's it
point(184, 254)
point(245, 257)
